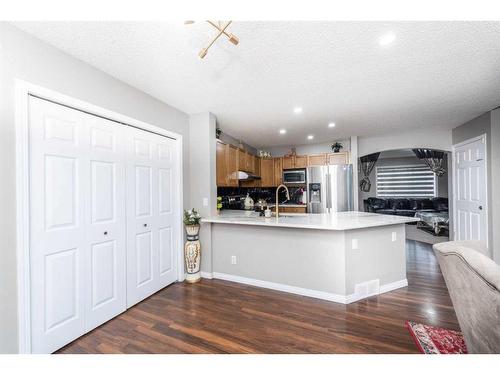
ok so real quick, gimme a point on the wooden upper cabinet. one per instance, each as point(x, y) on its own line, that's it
point(338, 158)
point(278, 171)
point(300, 161)
point(289, 162)
point(267, 172)
point(232, 165)
point(221, 165)
point(314, 160)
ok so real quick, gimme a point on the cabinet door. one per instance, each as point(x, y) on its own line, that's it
point(221, 164)
point(338, 158)
point(232, 161)
point(288, 162)
point(300, 161)
point(278, 171)
point(267, 172)
point(314, 160)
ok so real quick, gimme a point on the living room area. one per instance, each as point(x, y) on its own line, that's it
point(409, 182)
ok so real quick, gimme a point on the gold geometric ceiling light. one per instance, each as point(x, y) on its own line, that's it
point(221, 28)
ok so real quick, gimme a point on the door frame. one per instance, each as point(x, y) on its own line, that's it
point(23, 90)
point(454, 181)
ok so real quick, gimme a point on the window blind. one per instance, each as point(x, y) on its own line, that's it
point(405, 181)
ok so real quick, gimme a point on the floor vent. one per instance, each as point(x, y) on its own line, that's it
point(366, 289)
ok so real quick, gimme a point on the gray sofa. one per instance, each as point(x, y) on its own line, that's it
point(473, 280)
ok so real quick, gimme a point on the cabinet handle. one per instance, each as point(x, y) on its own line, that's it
point(145, 225)
point(106, 233)
point(480, 207)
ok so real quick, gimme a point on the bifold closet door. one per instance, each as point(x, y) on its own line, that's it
point(152, 199)
point(77, 223)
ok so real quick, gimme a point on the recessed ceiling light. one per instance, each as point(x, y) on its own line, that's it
point(310, 137)
point(283, 131)
point(331, 125)
point(297, 110)
point(386, 39)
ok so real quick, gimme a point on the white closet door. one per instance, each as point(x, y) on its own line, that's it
point(57, 242)
point(151, 237)
point(78, 223)
point(106, 219)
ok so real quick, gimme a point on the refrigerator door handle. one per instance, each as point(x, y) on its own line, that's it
point(328, 192)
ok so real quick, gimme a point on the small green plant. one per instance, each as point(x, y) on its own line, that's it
point(219, 203)
point(191, 217)
point(337, 146)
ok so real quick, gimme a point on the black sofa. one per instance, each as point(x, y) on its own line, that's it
point(405, 206)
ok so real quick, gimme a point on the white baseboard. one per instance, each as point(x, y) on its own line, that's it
point(382, 289)
point(392, 286)
point(303, 291)
point(281, 287)
point(207, 275)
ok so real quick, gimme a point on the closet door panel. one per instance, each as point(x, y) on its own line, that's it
point(142, 258)
point(150, 197)
point(166, 172)
point(106, 221)
point(57, 225)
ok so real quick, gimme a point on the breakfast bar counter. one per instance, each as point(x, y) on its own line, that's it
point(341, 257)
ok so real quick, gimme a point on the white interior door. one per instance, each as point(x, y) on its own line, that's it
point(106, 221)
point(58, 246)
point(151, 232)
point(470, 196)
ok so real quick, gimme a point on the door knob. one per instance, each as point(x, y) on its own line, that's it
point(480, 207)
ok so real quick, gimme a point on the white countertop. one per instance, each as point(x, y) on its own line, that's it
point(335, 221)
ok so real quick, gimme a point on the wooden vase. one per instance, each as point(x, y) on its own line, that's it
point(192, 254)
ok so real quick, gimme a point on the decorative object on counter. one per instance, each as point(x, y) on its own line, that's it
point(249, 203)
point(241, 146)
point(433, 159)
point(294, 151)
point(192, 247)
point(264, 154)
point(337, 146)
point(218, 132)
point(219, 204)
point(367, 164)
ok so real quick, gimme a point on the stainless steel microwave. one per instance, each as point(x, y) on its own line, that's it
point(294, 176)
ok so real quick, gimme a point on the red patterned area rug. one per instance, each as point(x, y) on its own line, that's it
point(435, 340)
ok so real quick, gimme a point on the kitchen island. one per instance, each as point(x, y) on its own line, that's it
point(341, 257)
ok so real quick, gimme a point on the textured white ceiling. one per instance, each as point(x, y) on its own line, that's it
point(435, 74)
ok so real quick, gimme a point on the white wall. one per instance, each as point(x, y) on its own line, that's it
point(27, 58)
point(495, 184)
point(203, 188)
point(308, 149)
point(488, 123)
point(435, 138)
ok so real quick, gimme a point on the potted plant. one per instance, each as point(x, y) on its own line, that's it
point(219, 204)
point(192, 248)
point(337, 146)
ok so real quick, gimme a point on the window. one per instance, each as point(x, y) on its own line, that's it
point(406, 181)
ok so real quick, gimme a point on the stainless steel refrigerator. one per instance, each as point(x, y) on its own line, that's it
point(329, 189)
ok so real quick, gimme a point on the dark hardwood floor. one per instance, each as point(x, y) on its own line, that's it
point(216, 316)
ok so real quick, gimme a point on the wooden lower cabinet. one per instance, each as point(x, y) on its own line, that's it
point(295, 210)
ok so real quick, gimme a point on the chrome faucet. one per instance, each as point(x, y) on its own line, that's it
point(277, 202)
